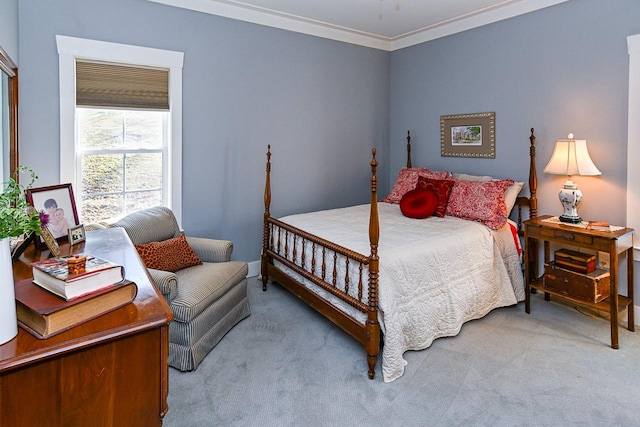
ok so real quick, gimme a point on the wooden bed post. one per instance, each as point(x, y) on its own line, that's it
point(533, 178)
point(408, 149)
point(372, 329)
point(265, 231)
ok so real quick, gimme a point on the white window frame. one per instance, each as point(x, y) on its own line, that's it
point(633, 142)
point(72, 48)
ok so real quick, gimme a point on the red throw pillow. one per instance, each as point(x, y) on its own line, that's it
point(168, 255)
point(407, 180)
point(441, 187)
point(419, 203)
point(480, 201)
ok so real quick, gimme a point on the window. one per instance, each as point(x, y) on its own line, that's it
point(119, 157)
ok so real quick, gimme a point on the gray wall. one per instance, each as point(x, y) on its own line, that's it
point(9, 28)
point(561, 69)
point(321, 104)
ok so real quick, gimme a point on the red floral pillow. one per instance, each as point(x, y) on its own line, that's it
point(419, 203)
point(168, 255)
point(441, 187)
point(480, 201)
point(407, 181)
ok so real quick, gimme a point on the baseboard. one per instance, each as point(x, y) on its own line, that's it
point(254, 269)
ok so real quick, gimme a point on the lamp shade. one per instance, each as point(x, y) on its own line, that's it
point(571, 157)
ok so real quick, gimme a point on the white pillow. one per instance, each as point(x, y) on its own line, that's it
point(465, 177)
point(510, 194)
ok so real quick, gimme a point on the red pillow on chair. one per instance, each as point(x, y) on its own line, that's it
point(419, 203)
point(441, 187)
point(168, 255)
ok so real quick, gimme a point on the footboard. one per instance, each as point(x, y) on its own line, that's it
point(323, 263)
point(339, 283)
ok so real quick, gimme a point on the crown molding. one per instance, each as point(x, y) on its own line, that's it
point(307, 26)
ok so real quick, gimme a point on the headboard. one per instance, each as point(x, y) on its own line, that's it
point(522, 202)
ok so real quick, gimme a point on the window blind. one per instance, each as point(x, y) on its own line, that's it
point(121, 86)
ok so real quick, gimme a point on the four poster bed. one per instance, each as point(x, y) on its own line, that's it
point(421, 281)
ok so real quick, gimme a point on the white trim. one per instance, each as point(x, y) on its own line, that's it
point(283, 21)
point(457, 26)
point(254, 269)
point(633, 142)
point(70, 48)
point(308, 26)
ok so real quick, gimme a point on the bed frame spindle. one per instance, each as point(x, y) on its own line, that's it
point(372, 328)
point(265, 228)
point(409, 149)
point(533, 178)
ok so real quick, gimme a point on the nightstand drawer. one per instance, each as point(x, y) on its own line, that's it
point(566, 235)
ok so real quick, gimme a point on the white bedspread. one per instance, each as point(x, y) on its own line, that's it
point(435, 274)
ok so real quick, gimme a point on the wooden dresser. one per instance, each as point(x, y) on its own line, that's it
point(111, 371)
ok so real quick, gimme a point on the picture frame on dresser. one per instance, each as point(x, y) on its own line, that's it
point(76, 234)
point(50, 242)
point(58, 202)
point(468, 135)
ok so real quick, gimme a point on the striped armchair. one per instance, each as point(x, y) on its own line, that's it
point(206, 300)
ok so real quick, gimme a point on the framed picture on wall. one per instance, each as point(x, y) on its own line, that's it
point(468, 135)
point(58, 202)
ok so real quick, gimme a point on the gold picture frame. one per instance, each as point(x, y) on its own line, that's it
point(51, 242)
point(468, 135)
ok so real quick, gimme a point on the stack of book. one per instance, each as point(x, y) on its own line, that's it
point(575, 261)
point(68, 291)
point(64, 277)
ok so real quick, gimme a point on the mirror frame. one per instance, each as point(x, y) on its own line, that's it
point(8, 67)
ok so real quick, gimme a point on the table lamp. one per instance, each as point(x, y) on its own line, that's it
point(571, 157)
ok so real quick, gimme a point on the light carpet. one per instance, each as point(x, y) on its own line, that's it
point(285, 365)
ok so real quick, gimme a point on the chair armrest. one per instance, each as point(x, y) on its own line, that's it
point(95, 226)
point(211, 250)
point(167, 283)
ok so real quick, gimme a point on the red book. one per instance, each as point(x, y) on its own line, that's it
point(575, 261)
point(44, 314)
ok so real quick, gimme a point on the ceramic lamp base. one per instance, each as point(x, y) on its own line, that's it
point(570, 219)
point(570, 196)
point(8, 319)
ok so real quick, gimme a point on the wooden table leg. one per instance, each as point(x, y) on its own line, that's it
point(631, 321)
point(613, 296)
point(529, 270)
point(547, 259)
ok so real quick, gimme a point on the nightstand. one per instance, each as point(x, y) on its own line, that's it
point(544, 229)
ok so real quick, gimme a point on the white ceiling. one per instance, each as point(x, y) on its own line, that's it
point(381, 24)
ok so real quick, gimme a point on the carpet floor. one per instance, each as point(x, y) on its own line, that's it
point(285, 365)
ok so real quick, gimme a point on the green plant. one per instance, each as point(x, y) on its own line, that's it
point(17, 217)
